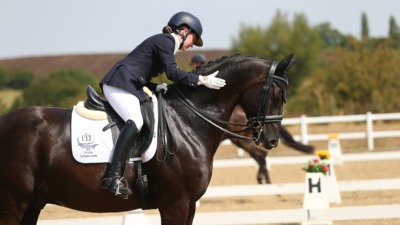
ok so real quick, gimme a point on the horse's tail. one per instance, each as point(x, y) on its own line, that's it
point(288, 140)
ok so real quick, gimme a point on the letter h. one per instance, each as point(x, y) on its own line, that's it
point(311, 185)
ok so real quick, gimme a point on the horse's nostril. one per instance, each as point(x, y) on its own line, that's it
point(274, 143)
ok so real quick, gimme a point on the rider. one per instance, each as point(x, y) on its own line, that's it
point(198, 60)
point(122, 85)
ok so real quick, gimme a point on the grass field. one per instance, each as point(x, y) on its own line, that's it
point(8, 96)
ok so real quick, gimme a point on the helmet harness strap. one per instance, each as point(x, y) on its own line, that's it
point(183, 36)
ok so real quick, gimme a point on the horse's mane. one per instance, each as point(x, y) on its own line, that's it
point(216, 61)
point(227, 65)
point(211, 64)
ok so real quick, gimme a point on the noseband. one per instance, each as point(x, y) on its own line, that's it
point(255, 123)
point(258, 123)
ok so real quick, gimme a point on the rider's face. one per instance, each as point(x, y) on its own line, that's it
point(189, 41)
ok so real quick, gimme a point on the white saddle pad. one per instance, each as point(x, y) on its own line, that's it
point(90, 144)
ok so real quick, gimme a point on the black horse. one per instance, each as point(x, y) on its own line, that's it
point(37, 167)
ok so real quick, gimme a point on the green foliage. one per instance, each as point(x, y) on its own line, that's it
point(352, 82)
point(394, 34)
point(281, 38)
point(63, 88)
point(15, 79)
point(5, 77)
point(21, 79)
point(335, 73)
point(364, 26)
point(331, 38)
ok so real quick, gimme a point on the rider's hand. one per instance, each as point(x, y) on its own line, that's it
point(211, 81)
point(162, 87)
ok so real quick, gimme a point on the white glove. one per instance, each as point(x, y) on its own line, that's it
point(211, 81)
point(162, 87)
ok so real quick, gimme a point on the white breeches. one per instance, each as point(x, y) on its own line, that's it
point(125, 104)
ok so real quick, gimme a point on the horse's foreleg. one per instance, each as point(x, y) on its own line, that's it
point(177, 213)
point(31, 215)
point(192, 211)
point(259, 156)
point(10, 212)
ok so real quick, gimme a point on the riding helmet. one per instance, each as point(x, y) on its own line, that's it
point(200, 58)
point(185, 18)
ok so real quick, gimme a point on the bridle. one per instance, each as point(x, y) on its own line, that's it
point(258, 123)
point(255, 123)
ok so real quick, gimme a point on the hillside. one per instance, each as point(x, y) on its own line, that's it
point(97, 64)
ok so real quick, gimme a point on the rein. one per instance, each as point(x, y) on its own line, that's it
point(255, 123)
point(205, 116)
point(163, 126)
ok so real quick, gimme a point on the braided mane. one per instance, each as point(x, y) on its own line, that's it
point(223, 59)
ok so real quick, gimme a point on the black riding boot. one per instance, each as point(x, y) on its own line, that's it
point(113, 180)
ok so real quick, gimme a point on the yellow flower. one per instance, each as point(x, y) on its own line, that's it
point(323, 154)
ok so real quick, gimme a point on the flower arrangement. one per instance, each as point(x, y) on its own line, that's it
point(323, 154)
point(316, 166)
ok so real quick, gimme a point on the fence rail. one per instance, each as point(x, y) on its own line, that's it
point(368, 118)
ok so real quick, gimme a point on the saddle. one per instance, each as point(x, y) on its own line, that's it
point(116, 123)
point(95, 104)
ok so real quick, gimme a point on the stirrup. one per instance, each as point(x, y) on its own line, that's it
point(118, 186)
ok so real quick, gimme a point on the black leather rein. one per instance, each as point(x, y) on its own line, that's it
point(255, 123)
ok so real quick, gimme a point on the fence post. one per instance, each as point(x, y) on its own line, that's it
point(304, 129)
point(370, 131)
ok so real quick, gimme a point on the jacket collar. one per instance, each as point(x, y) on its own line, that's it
point(176, 42)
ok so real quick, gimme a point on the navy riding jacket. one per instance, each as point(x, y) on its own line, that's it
point(149, 59)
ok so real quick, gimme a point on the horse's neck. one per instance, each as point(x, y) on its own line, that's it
point(194, 129)
point(216, 104)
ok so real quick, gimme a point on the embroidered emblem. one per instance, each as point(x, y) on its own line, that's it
point(86, 142)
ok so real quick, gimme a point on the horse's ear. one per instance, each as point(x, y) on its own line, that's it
point(285, 64)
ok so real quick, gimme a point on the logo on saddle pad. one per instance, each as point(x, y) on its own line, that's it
point(86, 142)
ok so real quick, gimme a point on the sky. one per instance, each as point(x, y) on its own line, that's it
point(59, 27)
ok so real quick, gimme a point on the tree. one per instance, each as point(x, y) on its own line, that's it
point(364, 27)
point(331, 38)
point(281, 38)
point(352, 82)
point(63, 88)
point(15, 79)
point(394, 33)
point(5, 77)
point(21, 79)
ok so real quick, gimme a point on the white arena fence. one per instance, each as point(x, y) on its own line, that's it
point(368, 118)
